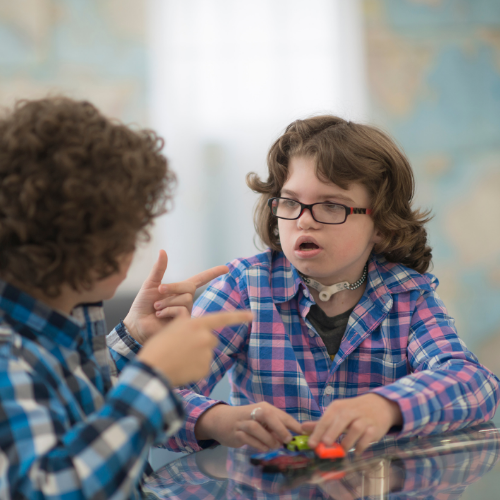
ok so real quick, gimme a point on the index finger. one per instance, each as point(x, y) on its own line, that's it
point(218, 320)
point(324, 423)
point(281, 425)
point(207, 276)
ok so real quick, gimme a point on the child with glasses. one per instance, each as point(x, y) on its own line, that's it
point(349, 336)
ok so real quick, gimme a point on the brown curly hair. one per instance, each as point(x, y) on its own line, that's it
point(77, 191)
point(347, 152)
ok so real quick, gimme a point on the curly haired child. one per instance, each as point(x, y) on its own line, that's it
point(349, 336)
point(78, 412)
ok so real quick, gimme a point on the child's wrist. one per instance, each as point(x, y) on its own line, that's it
point(394, 411)
point(132, 330)
point(389, 408)
point(207, 424)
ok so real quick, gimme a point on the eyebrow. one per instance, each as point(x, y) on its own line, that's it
point(341, 197)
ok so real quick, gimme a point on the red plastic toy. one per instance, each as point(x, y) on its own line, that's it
point(333, 451)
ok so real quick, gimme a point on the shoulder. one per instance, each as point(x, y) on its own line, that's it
point(248, 277)
point(399, 278)
point(261, 261)
point(16, 352)
point(9, 338)
point(257, 270)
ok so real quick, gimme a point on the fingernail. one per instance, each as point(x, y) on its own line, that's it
point(288, 439)
point(158, 313)
point(163, 288)
point(157, 305)
point(328, 441)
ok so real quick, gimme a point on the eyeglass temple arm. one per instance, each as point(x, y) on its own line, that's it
point(367, 211)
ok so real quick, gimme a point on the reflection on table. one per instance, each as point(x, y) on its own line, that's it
point(432, 467)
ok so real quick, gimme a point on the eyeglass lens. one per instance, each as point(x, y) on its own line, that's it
point(329, 213)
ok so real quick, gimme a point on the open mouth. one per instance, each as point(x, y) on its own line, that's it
point(308, 246)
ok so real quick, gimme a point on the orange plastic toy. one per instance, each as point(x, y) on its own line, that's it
point(333, 451)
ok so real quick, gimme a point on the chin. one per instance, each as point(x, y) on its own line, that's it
point(108, 295)
point(99, 296)
point(306, 269)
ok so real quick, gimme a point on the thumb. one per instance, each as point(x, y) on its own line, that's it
point(158, 270)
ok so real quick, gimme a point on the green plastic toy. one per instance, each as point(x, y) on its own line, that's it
point(298, 443)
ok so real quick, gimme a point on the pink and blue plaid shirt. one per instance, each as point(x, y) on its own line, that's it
point(399, 343)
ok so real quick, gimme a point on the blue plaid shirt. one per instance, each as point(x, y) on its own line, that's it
point(69, 427)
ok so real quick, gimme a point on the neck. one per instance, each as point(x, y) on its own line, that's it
point(338, 297)
point(340, 302)
point(65, 302)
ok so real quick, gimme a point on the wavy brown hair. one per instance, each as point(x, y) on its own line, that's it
point(77, 191)
point(347, 152)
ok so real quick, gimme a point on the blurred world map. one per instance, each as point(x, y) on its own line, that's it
point(434, 80)
point(85, 49)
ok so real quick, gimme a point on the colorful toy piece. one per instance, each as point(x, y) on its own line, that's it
point(283, 460)
point(329, 452)
point(298, 443)
point(297, 457)
point(288, 464)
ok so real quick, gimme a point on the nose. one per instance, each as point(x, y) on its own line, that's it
point(305, 220)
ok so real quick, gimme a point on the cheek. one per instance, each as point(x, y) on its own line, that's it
point(112, 283)
point(345, 240)
point(284, 232)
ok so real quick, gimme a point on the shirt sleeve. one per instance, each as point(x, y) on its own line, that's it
point(224, 294)
point(123, 348)
point(448, 388)
point(44, 454)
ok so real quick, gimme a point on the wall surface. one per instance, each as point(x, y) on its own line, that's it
point(434, 80)
point(90, 49)
point(227, 78)
point(85, 49)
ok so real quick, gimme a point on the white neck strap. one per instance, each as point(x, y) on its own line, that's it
point(325, 292)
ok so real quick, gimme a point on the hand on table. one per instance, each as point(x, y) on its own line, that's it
point(233, 426)
point(158, 304)
point(183, 350)
point(364, 419)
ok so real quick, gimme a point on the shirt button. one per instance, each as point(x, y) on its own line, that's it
point(311, 333)
point(189, 449)
point(329, 390)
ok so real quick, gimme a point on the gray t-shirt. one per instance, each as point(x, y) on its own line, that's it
point(330, 328)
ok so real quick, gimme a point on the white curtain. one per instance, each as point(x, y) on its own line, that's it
point(227, 77)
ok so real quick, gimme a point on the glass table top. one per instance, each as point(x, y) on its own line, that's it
point(462, 464)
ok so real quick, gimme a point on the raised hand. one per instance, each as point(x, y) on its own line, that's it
point(157, 304)
point(183, 350)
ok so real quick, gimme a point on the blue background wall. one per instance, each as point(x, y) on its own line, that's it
point(434, 82)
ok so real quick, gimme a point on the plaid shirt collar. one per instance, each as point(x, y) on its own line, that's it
point(384, 279)
point(22, 310)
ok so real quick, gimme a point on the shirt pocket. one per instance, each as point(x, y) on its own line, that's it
point(368, 371)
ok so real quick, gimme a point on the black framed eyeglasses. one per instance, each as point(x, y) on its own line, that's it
point(324, 212)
